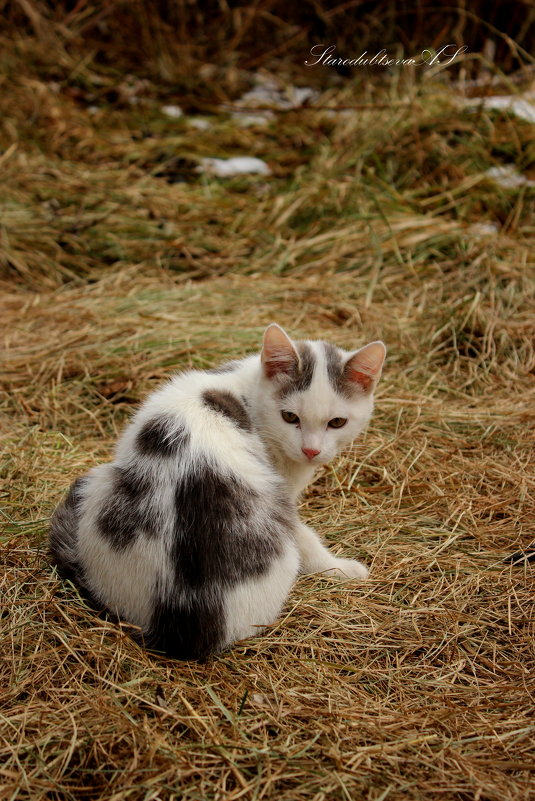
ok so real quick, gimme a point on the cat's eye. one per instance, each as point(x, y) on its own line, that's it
point(337, 422)
point(289, 417)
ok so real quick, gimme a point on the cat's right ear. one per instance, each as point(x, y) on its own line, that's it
point(279, 355)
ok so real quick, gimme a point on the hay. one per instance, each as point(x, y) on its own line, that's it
point(416, 685)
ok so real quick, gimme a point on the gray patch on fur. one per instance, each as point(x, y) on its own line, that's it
point(63, 531)
point(161, 436)
point(227, 404)
point(224, 534)
point(227, 539)
point(300, 377)
point(62, 539)
point(337, 372)
point(127, 511)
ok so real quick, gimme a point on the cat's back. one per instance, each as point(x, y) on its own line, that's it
point(200, 418)
point(189, 521)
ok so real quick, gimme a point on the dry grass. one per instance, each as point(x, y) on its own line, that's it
point(420, 683)
point(171, 39)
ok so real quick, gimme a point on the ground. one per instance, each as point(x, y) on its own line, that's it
point(122, 263)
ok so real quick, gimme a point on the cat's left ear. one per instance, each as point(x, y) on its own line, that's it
point(364, 367)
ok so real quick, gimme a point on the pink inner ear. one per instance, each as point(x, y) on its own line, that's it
point(357, 377)
point(275, 365)
point(278, 353)
point(365, 366)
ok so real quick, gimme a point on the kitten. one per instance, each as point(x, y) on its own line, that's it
point(192, 532)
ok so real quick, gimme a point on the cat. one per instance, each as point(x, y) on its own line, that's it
point(192, 533)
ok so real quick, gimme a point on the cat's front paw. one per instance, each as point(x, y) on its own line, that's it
point(349, 568)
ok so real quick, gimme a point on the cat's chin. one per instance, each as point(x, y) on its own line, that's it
point(303, 461)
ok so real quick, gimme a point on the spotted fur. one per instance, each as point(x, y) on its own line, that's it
point(159, 437)
point(228, 404)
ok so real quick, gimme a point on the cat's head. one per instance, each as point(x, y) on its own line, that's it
point(316, 398)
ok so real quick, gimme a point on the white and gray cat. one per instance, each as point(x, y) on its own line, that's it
point(192, 532)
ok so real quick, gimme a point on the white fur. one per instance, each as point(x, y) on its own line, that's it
point(257, 603)
point(124, 579)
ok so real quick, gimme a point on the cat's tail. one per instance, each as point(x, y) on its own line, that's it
point(62, 541)
point(64, 532)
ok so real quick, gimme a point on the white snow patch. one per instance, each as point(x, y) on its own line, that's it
point(239, 165)
point(508, 177)
point(522, 106)
point(269, 92)
point(483, 229)
point(201, 125)
point(252, 120)
point(300, 94)
point(175, 112)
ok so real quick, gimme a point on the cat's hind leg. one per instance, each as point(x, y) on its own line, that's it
point(257, 601)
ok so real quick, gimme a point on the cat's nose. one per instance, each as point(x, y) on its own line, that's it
point(309, 452)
